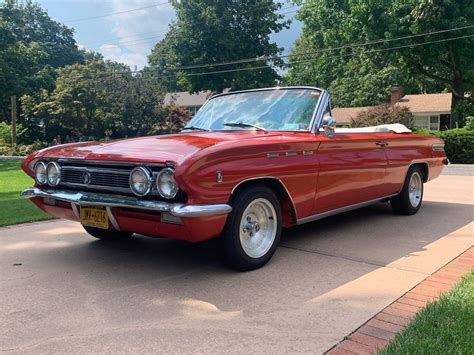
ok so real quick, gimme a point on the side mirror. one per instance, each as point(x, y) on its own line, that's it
point(329, 125)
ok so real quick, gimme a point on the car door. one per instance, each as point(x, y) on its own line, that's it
point(352, 170)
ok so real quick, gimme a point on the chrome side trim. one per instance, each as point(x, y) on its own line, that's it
point(269, 177)
point(340, 210)
point(291, 154)
point(75, 209)
point(108, 200)
point(112, 219)
point(438, 147)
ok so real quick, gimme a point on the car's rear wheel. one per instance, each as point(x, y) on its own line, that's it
point(253, 228)
point(107, 234)
point(409, 200)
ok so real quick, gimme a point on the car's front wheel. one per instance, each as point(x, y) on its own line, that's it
point(253, 228)
point(107, 234)
point(408, 201)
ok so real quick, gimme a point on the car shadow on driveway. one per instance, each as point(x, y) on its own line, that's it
point(375, 235)
point(313, 254)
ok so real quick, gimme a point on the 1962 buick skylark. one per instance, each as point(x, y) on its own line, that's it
point(247, 164)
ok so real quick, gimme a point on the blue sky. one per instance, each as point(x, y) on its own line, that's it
point(129, 37)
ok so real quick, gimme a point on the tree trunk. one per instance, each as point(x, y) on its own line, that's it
point(458, 89)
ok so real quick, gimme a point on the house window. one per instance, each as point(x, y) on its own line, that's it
point(422, 122)
point(434, 123)
point(193, 109)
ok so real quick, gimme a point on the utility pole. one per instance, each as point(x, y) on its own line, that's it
point(13, 101)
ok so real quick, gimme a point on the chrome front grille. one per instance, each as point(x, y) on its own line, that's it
point(95, 178)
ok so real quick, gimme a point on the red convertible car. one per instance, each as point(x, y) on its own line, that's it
point(247, 164)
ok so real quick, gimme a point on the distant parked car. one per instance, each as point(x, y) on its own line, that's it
point(247, 164)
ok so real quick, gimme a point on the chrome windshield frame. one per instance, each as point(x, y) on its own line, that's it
point(315, 118)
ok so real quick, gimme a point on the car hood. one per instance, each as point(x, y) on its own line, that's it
point(172, 148)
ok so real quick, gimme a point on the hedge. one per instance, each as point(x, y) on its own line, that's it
point(459, 144)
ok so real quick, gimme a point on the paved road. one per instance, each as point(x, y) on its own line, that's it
point(459, 169)
point(62, 291)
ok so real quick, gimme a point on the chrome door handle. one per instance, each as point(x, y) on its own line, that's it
point(381, 143)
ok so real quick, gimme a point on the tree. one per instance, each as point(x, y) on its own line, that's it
point(354, 75)
point(95, 97)
point(32, 45)
point(214, 31)
point(449, 63)
point(174, 118)
point(383, 114)
point(133, 104)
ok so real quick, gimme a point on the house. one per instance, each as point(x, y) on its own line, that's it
point(192, 102)
point(430, 111)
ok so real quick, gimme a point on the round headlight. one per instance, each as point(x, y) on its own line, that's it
point(140, 181)
point(166, 184)
point(53, 171)
point(40, 173)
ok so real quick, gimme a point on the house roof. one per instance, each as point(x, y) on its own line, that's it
point(185, 99)
point(343, 115)
point(427, 102)
point(416, 104)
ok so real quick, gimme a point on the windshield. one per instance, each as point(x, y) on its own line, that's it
point(272, 110)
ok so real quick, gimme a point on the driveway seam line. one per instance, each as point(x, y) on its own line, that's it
point(372, 263)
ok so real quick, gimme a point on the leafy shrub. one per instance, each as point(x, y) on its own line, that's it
point(174, 119)
point(469, 123)
point(459, 144)
point(383, 114)
point(6, 132)
point(21, 149)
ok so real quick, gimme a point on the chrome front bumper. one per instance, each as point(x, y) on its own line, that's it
point(106, 200)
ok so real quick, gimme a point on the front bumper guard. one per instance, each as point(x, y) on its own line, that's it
point(83, 198)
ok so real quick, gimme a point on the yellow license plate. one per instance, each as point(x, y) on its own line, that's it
point(94, 217)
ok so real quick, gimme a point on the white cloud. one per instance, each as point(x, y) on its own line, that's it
point(137, 31)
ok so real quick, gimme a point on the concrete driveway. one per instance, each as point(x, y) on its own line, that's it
point(62, 291)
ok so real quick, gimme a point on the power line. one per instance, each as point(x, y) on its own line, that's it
point(378, 41)
point(290, 63)
point(345, 55)
point(392, 48)
point(117, 13)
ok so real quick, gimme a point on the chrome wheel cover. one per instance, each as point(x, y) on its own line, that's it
point(415, 188)
point(258, 228)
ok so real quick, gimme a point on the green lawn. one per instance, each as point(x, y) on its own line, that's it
point(443, 327)
point(13, 208)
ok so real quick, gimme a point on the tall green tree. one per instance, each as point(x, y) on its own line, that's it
point(32, 45)
point(214, 31)
point(93, 98)
point(362, 75)
point(327, 55)
point(449, 63)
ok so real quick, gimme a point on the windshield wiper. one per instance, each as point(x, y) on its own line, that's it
point(194, 128)
point(241, 124)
